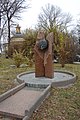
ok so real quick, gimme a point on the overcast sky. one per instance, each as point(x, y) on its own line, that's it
point(29, 18)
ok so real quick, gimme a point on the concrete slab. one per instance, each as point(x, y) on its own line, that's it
point(16, 104)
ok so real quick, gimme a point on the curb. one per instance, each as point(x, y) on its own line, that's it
point(11, 92)
point(37, 103)
point(53, 83)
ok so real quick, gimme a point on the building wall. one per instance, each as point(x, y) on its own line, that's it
point(16, 44)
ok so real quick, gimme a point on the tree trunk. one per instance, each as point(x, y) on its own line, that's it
point(8, 31)
point(8, 36)
point(62, 64)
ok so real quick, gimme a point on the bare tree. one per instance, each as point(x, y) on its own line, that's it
point(52, 17)
point(0, 22)
point(12, 9)
point(0, 25)
point(3, 21)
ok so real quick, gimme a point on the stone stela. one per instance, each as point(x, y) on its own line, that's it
point(43, 55)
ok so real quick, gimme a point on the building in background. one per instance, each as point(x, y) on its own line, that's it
point(16, 42)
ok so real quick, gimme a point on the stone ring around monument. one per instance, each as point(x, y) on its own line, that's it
point(43, 44)
point(61, 79)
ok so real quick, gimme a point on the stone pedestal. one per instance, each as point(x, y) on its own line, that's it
point(49, 73)
point(39, 66)
point(43, 57)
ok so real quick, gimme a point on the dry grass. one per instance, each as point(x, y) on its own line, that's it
point(8, 74)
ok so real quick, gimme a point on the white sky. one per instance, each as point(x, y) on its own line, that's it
point(29, 18)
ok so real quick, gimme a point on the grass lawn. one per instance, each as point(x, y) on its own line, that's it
point(8, 74)
point(62, 104)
